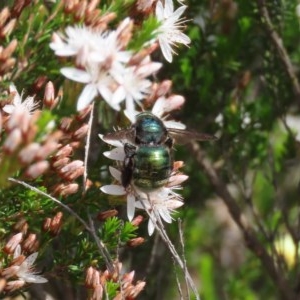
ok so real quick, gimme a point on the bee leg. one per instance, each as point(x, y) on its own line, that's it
point(169, 142)
point(127, 171)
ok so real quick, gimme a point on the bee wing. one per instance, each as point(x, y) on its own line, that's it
point(185, 136)
point(123, 135)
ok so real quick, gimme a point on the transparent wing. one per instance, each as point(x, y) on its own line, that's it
point(185, 136)
point(124, 135)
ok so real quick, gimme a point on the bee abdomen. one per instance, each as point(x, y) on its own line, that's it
point(152, 167)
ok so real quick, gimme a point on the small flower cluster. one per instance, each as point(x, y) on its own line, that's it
point(96, 281)
point(8, 20)
point(53, 225)
point(18, 128)
point(26, 148)
point(19, 269)
point(65, 169)
point(88, 13)
point(107, 67)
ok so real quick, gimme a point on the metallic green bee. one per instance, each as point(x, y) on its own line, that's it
point(148, 151)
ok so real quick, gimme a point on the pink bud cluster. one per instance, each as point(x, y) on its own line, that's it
point(96, 280)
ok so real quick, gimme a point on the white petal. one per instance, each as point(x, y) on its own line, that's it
point(174, 124)
point(17, 98)
point(158, 107)
point(130, 206)
point(8, 108)
point(180, 38)
point(113, 189)
point(115, 154)
point(177, 180)
point(173, 204)
point(115, 173)
point(107, 95)
point(119, 95)
point(115, 143)
point(131, 115)
point(178, 12)
point(76, 74)
point(159, 11)
point(86, 97)
point(34, 278)
point(164, 214)
point(166, 49)
point(151, 227)
point(169, 8)
point(31, 259)
point(130, 105)
point(17, 251)
point(148, 69)
point(142, 204)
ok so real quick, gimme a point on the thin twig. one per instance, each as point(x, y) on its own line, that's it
point(278, 43)
point(181, 240)
point(90, 229)
point(108, 261)
point(87, 148)
point(178, 282)
point(156, 220)
point(66, 207)
point(250, 237)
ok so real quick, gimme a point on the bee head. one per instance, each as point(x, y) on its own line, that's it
point(149, 129)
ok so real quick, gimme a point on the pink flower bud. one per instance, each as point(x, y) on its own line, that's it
point(29, 244)
point(2, 284)
point(164, 88)
point(8, 51)
point(8, 28)
point(4, 15)
point(46, 150)
point(14, 285)
point(13, 242)
point(49, 96)
point(102, 216)
point(58, 164)
point(136, 242)
point(28, 153)
point(13, 141)
point(174, 102)
point(63, 152)
point(81, 132)
point(10, 271)
point(73, 166)
point(137, 220)
point(37, 169)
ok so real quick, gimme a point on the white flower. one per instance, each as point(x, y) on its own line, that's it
point(76, 39)
point(133, 85)
point(90, 45)
point(26, 270)
point(99, 54)
point(103, 66)
point(98, 82)
point(169, 32)
point(29, 105)
point(159, 205)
